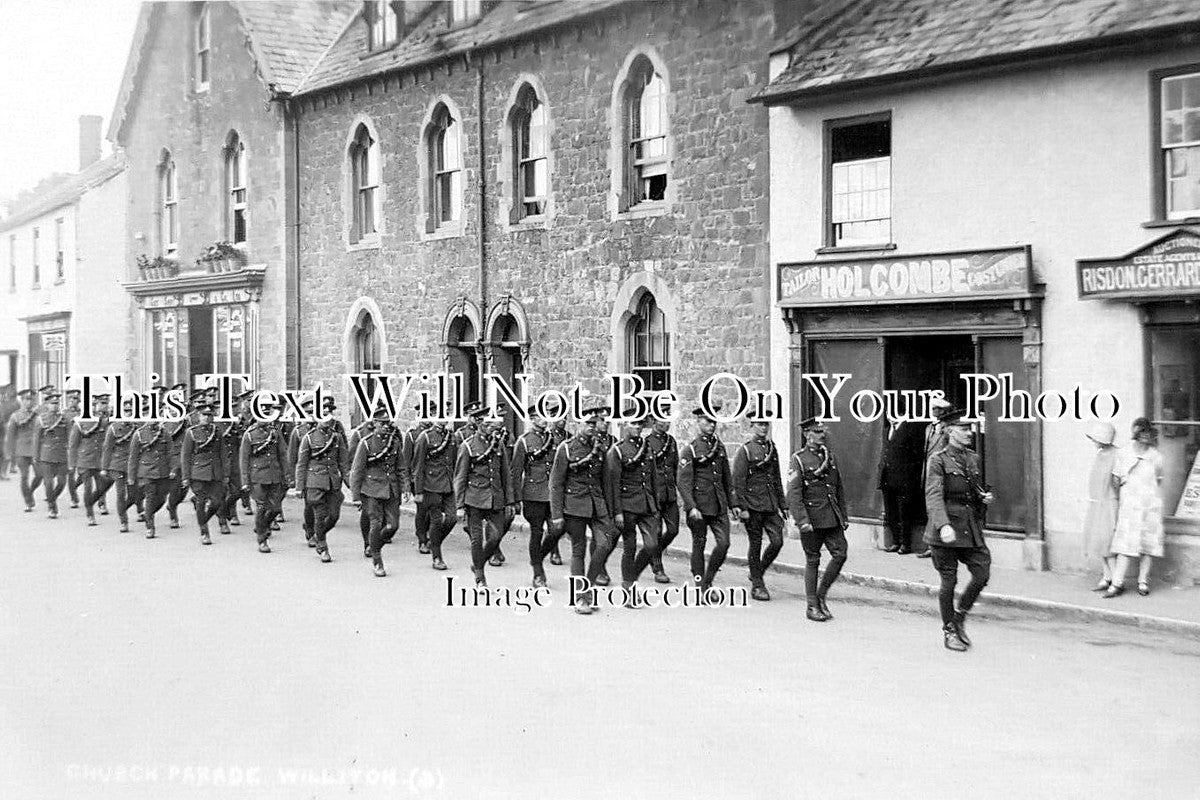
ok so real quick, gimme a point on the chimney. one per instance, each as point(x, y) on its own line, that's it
point(89, 140)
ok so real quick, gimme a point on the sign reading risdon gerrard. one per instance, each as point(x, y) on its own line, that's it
point(1168, 266)
point(968, 275)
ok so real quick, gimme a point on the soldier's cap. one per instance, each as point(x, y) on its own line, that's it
point(955, 417)
point(73, 393)
point(594, 408)
point(700, 413)
point(533, 411)
point(381, 413)
point(25, 393)
point(158, 387)
point(470, 408)
point(940, 402)
point(246, 395)
point(756, 419)
point(51, 395)
point(307, 403)
point(100, 398)
point(811, 424)
point(476, 410)
point(178, 386)
point(329, 403)
point(205, 406)
point(49, 387)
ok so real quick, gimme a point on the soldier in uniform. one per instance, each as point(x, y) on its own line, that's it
point(114, 463)
point(50, 446)
point(263, 464)
point(759, 500)
point(606, 442)
point(577, 497)
point(818, 508)
point(632, 497)
point(300, 429)
point(151, 469)
point(665, 452)
point(18, 445)
point(231, 436)
point(433, 483)
point(704, 487)
point(378, 478)
point(559, 434)
point(85, 450)
point(174, 431)
point(205, 470)
point(956, 499)
point(322, 467)
point(421, 517)
point(482, 488)
point(935, 441)
point(72, 398)
point(532, 455)
point(364, 521)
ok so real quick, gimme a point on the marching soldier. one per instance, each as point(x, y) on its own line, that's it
point(71, 402)
point(559, 433)
point(577, 497)
point(759, 501)
point(606, 441)
point(322, 467)
point(263, 464)
point(85, 451)
point(204, 462)
point(114, 462)
point(509, 514)
point(956, 500)
point(433, 475)
point(18, 445)
point(935, 441)
point(300, 429)
point(377, 479)
point(482, 488)
point(704, 487)
point(151, 469)
point(175, 429)
point(421, 517)
point(664, 450)
point(531, 460)
point(364, 520)
point(50, 449)
point(818, 508)
point(231, 436)
point(632, 497)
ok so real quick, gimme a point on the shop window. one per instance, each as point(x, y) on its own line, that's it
point(1175, 395)
point(230, 351)
point(1179, 125)
point(530, 171)
point(444, 201)
point(858, 182)
point(364, 189)
point(384, 21)
point(203, 58)
point(648, 344)
point(165, 351)
point(48, 358)
point(235, 182)
point(60, 266)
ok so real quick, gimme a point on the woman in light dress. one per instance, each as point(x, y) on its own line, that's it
point(1139, 531)
point(1100, 520)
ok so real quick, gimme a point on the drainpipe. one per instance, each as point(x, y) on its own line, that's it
point(291, 283)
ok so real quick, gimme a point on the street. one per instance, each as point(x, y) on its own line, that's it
point(138, 668)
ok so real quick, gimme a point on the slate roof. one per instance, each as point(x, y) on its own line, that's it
point(429, 38)
point(64, 192)
point(841, 43)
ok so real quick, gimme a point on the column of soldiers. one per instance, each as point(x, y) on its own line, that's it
point(631, 491)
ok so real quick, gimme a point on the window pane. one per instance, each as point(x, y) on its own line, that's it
point(537, 132)
point(455, 194)
point(450, 147)
point(1172, 94)
point(1175, 359)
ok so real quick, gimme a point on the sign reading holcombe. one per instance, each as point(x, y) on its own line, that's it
point(1167, 266)
point(907, 279)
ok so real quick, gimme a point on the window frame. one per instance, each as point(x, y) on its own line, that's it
point(649, 313)
point(527, 104)
point(202, 49)
point(12, 262)
point(236, 182)
point(168, 227)
point(1158, 168)
point(60, 267)
point(379, 41)
point(365, 186)
point(444, 124)
point(828, 235)
point(640, 76)
point(35, 241)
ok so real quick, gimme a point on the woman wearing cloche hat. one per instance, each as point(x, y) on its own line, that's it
point(1100, 517)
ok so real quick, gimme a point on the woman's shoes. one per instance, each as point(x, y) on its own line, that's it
point(1102, 586)
point(1143, 589)
point(1113, 591)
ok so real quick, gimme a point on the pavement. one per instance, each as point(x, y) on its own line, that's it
point(137, 668)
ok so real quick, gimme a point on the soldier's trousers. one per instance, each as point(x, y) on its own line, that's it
point(208, 497)
point(268, 502)
point(576, 529)
point(647, 525)
point(154, 495)
point(25, 466)
point(719, 525)
point(833, 540)
point(308, 523)
point(89, 480)
point(537, 514)
point(441, 519)
point(421, 523)
point(175, 497)
point(384, 514)
point(126, 495)
point(977, 560)
point(760, 560)
point(54, 479)
point(668, 530)
point(484, 546)
point(232, 495)
point(73, 487)
point(326, 507)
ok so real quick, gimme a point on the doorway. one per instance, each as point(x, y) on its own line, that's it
point(930, 362)
point(200, 342)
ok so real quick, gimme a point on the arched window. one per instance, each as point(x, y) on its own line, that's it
point(507, 361)
point(366, 354)
point(647, 147)
point(168, 213)
point(648, 345)
point(463, 356)
point(235, 187)
point(445, 170)
point(383, 23)
point(364, 188)
point(531, 180)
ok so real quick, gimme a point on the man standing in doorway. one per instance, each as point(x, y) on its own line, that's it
point(901, 471)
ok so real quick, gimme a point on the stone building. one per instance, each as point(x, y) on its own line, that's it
point(203, 118)
point(565, 189)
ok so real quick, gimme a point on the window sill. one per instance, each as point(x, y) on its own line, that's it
point(1171, 223)
point(858, 248)
point(59, 281)
point(451, 230)
point(371, 242)
point(541, 222)
point(644, 210)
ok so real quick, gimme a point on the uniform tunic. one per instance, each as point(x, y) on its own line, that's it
point(815, 493)
point(952, 480)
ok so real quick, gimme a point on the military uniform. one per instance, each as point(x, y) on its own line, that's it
point(433, 482)
point(263, 459)
point(231, 441)
point(299, 431)
point(364, 521)
point(322, 467)
point(664, 450)
point(631, 485)
point(205, 469)
point(18, 446)
point(482, 486)
point(71, 411)
point(114, 462)
point(378, 478)
point(758, 492)
point(818, 508)
point(174, 431)
point(577, 496)
point(152, 469)
point(421, 517)
point(85, 451)
point(606, 441)
point(532, 456)
point(704, 485)
point(50, 444)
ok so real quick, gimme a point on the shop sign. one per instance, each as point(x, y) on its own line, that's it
point(1189, 501)
point(54, 341)
point(224, 296)
point(1167, 267)
point(970, 275)
point(161, 301)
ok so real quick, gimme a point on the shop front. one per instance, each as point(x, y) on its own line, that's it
point(920, 322)
point(1162, 279)
point(49, 348)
